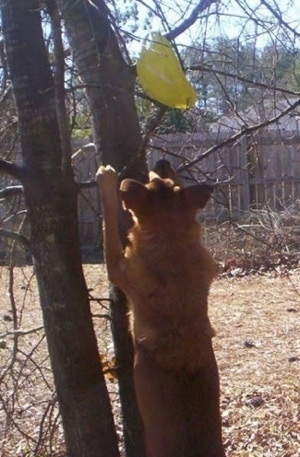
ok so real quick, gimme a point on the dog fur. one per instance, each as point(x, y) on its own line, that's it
point(166, 274)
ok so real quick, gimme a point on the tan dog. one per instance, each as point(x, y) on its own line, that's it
point(166, 274)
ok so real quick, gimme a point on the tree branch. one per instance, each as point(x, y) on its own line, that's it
point(86, 184)
point(237, 136)
point(210, 69)
point(6, 94)
point(279, 18)
point(154, 122)
point(20, 332)
point(11, 169)
point(21, 239)
point(59, 83)
point(202, 6)
point(10, 191)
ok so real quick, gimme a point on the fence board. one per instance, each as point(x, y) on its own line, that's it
point(257, 171)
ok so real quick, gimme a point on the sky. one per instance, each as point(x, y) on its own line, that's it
point(232, 20)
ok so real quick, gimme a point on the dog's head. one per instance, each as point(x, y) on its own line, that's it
point(163, 196)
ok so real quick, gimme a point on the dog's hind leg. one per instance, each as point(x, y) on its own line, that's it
point(160, 407)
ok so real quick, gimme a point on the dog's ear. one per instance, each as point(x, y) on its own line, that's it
point(164, 170)
point(152, 175)
point(198, 195)
point(133, 194)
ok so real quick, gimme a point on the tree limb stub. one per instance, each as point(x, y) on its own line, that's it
point(10, 191)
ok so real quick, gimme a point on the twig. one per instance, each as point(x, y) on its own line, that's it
point(21, 239)
point(10, 191)
point(153, 123)
point(11, 169)
point(87, 184)
point(202, 5)
point(211, 69)
point(237, 136)
point(40, 439)
point(20, 332)
point(59, 82)
point(102, 316)
point(14, 312)
point(278, 16)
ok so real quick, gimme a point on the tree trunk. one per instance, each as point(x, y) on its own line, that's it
point(109, 86)
point(51, 199)
point(110, 91)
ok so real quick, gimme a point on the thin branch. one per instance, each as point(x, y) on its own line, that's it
point(21, 239)
point(83, 149)
point(11, 169)
point(59, 82)
point(11, 292)
point(278, 16)
point(102, 316)
point(194, 16)
point(20, 332)
point(86, 184)
point(153, 123)
point(236, 76)
point(6, 94)
point(253, 14)
point(149, 7)
point(237, 136)
point(87, 200)
point(165, 151)
point(10, 191)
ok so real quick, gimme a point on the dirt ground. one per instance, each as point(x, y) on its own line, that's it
point(257, 320)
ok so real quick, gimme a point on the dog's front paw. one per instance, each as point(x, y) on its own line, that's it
point(107, 178)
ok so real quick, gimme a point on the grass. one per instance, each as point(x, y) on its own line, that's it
point(257, 320)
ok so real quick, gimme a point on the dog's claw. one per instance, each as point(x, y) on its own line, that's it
point(107, 177)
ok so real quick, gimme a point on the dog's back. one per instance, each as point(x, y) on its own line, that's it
point(169, 272)
point(166, 275)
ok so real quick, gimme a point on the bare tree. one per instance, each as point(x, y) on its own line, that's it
point(51, 198)
point(98, 44)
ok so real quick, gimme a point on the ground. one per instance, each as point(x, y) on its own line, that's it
point(258, 349)
point(257, 321)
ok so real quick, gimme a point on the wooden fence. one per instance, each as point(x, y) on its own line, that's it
point(89, 223)
point(256, 172)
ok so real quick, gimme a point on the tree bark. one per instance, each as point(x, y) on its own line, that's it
point(109, 84)
point(110, 90)
point(51, 199)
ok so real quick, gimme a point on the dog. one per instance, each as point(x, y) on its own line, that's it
point(166, 275)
